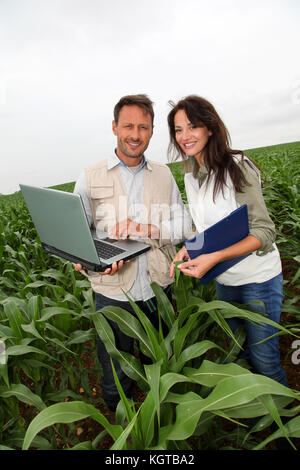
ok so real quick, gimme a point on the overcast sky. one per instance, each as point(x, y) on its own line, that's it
point(65, 63)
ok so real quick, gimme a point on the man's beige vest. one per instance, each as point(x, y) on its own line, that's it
point(109, 204)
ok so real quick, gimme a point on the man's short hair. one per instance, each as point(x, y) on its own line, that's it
point(142, 101)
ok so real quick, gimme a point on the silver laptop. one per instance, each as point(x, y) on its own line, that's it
point(62, 225)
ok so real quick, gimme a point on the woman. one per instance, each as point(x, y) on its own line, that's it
point(217, 181)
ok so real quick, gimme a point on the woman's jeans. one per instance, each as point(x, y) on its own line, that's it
point(264, 357)
point(123, 343)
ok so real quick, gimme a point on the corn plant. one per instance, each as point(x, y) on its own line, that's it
point(45, 324)
point(185, 392)
point(195, 381)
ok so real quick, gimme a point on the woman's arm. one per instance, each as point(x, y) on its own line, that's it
point(199, 266)
point(261, 225)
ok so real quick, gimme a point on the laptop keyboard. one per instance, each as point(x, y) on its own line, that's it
point(106, 251)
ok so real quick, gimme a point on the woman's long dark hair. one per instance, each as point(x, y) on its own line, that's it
point(218, 156)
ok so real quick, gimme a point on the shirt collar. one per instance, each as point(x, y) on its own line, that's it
point(113, 160)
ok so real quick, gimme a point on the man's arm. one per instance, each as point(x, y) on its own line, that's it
point(127, 228)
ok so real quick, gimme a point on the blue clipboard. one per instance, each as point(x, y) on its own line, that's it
point(224, 233)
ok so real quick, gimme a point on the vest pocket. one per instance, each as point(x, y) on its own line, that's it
point(111, 285)
point(103, 207)
point(159, 264)
point(102, 192)
point(113, 281)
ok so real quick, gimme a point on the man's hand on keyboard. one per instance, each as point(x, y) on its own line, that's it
point(127, 228)
point(109, 271)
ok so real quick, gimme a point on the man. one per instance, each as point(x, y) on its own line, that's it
point(153, 211)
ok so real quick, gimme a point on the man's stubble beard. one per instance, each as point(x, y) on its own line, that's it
point(129, 155)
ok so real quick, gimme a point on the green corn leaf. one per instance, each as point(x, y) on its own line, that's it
point(33, 363)
point(131, 419)
point(67, 412)
point(177, 272)
point(129, 412)
point(150, 331)
point(256, 408)
point(59, 343)
point(81, 336)
point(241, 389)
point(5, 332)
point(55, 274)
point(182, 333)
point(228, 310)
point(204, 424)
point(98, 439)
point(292, 429)
point(262, 423)
point(89, 299)
point(32, 330)
point(182, 288)
point(15, 318)
point(49, 312)
point(19, 350)
point(86, 445)
point(82, 283)
point(130, 365)
point(234, 348)
point(57, 333)
point(62, 395)
point(178, 398)
point(4, 373)
point(290, 411)
point(164, 305)
point(120, 442)
point(130, 326)
point(147, 419)
point(219, 319)
point(169, 339)
point(153, 377)
point(193, 351)
point(24, 394)
point(210, 373)
point(269, 404)
point(8, 283)
point(37, 284)
point(70, 298)
point(230, 392)
point(34, 307)
point(168, 380)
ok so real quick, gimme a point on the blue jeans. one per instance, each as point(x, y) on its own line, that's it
point(264, 357)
